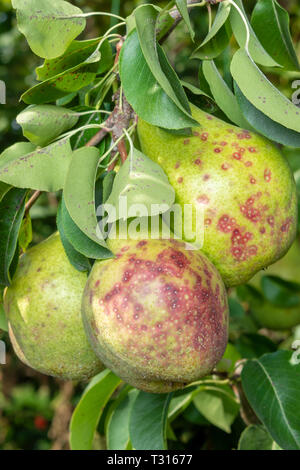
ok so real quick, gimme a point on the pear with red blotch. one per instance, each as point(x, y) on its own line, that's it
point(43, 310)
point(157, 314)
point(240, 181)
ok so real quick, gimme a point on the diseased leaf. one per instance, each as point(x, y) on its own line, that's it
point(77, 53)
point(272, 385)
point(264, 96)
point(142, 182)
point(43, 123)
point(12, 208)
point(41, 22)
point(64, 83)
point(148, 421)
point(143, 92)
point(264, 125)
point(42, 169)
point(271, 24)
point(257, 52)
point(89, 410)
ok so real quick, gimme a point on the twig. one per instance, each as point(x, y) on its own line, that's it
point(32, 200)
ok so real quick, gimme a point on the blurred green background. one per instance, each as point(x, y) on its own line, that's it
point(34, 409)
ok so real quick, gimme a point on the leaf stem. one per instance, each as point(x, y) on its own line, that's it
point(93, 13)
point(32, 200)
point(245, 23)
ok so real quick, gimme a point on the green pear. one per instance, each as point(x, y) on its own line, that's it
point(157, 314)
point(43, 309)
point(267, 314)
point(240, 181)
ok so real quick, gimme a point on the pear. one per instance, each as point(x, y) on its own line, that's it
point(264, 312)
point(157, 314)
point(43, 309)
point(241, 183)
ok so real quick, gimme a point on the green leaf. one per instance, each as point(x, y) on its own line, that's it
point(263, 124)
point(240, 323)
point(263, 95)
point(146, 17)
point(3, 320)
point(229, 359)
point(271, 24)
point(39, 20)
point(218, 36)
point(79, 191)
point(107, 185)
point(214, 47)
point(272, 385)
point(195, 90)
point(280, 292)
point(42, 169)
point(256, 438)
point(219, 21)
point(218, 405)
point(89, 409)
point(178, 404)
point(224, 97)
point(257, 52)
point(252, 345)
point(79, 261)
point(182, 7)
point(25, 235)
point(76, 54)
point(79, 240)
point(140, 181)
point(144, 93)
point(118, 426)
point(148, 421)
point(4, 188)
point(43, 123)
point(12, 208)
point(64, 83)
point(82, 138)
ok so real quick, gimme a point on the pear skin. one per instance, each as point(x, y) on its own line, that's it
point(242, 183)
point(43, 309)
point(157, 314)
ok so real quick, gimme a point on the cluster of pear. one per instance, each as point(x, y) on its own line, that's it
point(157, 314)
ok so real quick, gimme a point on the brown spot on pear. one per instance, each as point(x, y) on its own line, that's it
point(158, 318)
point(257, 186)
point(43, 309)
